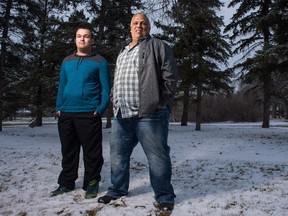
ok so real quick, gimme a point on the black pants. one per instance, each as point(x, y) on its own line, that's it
point(76, 130)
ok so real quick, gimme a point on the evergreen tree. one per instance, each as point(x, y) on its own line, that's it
point(279, 14)
point(201, 51)
point(36, 23)
point(12, 97)
point(258, 29)
point(5, 13)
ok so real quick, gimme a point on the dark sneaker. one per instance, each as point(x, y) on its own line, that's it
point(106, 199)
point(92, 189)
point(60, 190)
point(164, 206)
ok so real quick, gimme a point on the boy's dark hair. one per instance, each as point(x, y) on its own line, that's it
point(85, 26)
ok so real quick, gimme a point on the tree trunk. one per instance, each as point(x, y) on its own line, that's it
point(39, 96)
point(4, 40)
point(267, 101)
point(267, 81)
point(198, 109)
point(286, 110)
point(184, 119)
point(102, 19)
point(109, 115)
point(274, 111)
point(39, 112)
point(101, 37)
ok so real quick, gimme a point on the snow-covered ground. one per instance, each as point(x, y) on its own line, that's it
point(224, 169)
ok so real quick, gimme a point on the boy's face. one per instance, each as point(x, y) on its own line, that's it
point(84, 39)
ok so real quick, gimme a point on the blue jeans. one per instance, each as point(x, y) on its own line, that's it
point(152, 133)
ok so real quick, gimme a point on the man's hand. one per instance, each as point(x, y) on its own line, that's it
point(58, 113)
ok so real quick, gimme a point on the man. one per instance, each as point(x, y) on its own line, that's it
point(144, 87)
point(83, 95)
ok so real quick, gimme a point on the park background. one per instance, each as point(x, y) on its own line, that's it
point(231, 55)
point(228, 132)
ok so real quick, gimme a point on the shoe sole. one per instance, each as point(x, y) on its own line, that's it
point(59, 193)
point(106, 199)
point(163, 208)
point(90, 196)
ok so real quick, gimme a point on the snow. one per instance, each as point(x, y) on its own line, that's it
point(224, 169)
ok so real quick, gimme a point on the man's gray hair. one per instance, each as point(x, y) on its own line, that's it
point(146, 18)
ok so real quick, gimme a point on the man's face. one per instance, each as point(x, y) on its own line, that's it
point(84, 39)
point(139, 27)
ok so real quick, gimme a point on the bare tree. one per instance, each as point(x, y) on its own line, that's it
point(7, 5)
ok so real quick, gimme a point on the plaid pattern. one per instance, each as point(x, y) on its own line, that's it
point(126, 88)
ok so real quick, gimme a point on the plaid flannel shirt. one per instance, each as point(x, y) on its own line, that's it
point(126, 83)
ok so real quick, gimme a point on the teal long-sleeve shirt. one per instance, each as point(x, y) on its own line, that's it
point(84, 84)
